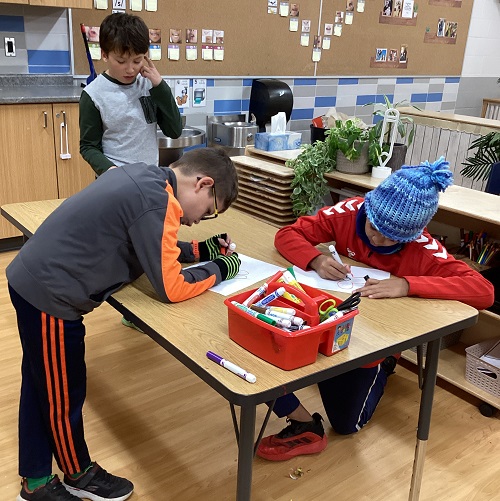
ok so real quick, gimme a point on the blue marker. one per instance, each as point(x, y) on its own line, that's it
point(271, 297)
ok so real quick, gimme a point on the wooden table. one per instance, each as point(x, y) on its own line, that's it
point(189, 329)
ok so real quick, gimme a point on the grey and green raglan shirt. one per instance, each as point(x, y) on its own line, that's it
point(118, 122)
point(123, 224)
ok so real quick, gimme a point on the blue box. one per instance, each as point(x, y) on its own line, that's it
point(277, 142)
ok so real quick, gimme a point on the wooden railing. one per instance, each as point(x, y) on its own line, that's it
point(449, 135)
point(491, 109)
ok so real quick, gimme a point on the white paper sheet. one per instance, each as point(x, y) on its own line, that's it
point(312, 279)
point(251, 271)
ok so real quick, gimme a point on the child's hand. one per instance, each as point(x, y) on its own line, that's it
point(228, 265)
point(326, 267)
point(392, 287)
point(150, 72)
point(212, 247)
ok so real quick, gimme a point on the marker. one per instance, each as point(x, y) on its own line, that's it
point(291, 280)
point(243, 374)
point(253, 297)
point(271, 297)
point(336, 316)
point(259, 316)
point(232, 246)
point(366, 277)
point(336, 256)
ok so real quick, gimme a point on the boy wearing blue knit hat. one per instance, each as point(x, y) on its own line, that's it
point(385, 230)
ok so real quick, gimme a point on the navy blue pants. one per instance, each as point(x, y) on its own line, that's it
point(53, 389)
point(349, 399)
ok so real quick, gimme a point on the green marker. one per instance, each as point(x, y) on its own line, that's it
point(255, 314)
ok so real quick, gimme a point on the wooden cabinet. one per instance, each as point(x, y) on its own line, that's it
point(73, 173)
point(30, 163)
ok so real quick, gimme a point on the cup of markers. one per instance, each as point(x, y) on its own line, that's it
point(281, 321)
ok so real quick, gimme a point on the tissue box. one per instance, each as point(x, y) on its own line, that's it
point(294, 140)
point(275, 142)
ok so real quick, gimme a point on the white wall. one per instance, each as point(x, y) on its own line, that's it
point(482, 52)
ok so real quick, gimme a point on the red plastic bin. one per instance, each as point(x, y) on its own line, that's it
point(290, 350)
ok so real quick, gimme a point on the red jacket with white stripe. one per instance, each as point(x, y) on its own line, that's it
point(430, 271)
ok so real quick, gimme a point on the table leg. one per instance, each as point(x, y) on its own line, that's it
point(245, 452)
point(424, 418)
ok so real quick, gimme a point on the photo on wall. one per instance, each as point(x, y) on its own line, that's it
point(381, 55)
point(403, 54)
point(440, 27)
point(387, 8)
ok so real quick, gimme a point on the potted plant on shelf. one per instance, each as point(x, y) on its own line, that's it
point(405, 126)
point(350, 146)
point(479, 166)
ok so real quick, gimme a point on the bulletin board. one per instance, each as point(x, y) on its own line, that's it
point(257, 43)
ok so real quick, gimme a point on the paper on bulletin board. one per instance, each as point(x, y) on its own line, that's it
point(101, 4)
point(219, 53)
point(294, 24)
point(136, 5)
point(304, 39)
point(207, 53)
point(312, 279)
point(199, 92)
point(151, 5)
point(360, 6)
point(95, 51)
point(119, 4)
point(191, 52)
point(326, 43)
point(251, 271)
point(316, 55)
point(349, 17)
point(284, 9)
point(173, 52)
point(155, 52)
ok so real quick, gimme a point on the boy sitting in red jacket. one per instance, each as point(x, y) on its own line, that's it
point(385, 230)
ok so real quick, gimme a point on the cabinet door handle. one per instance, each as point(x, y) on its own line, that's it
point(65, 154)
point(45, 124)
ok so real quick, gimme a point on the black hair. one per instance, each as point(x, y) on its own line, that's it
point(124, 33)
point(214, 163)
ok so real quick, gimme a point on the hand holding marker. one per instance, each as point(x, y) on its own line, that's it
point(336, 256)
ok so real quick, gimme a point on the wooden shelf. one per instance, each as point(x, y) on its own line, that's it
point(452, 369)
point(400, 21)
point(387, 64)
point(446, 3)
point(433, 38)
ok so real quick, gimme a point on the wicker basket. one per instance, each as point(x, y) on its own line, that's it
point(480, 373)
point(358, 166)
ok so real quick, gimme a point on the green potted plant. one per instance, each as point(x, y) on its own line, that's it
point(309, 184)
point(478, 167)
point(405, 126)
point(350, 147)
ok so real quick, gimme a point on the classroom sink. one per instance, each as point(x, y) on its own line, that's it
point(171, 149)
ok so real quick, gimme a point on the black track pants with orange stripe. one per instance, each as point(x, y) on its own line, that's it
point(53, 391)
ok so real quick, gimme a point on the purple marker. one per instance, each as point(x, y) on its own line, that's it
point(231, 367)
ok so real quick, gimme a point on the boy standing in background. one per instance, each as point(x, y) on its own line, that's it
point(122, 225)
point(385, 230)
point(121, 109)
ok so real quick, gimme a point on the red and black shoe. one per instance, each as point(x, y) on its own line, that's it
point(296, 439)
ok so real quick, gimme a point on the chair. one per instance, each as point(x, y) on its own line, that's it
point(493, 184)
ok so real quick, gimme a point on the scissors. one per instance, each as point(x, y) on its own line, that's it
point(351, 302)
point(327, 309)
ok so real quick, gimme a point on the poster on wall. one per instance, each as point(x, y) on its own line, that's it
point(199, 92)
point(182, 92)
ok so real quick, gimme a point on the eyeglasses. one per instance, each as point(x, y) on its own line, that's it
point(216, 212)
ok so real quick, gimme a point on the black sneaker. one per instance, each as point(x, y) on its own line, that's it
point(51, 491)
point(389, 364)
point(296, 439)
point(99, 485)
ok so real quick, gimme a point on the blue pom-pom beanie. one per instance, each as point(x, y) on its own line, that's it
point(403, 204)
